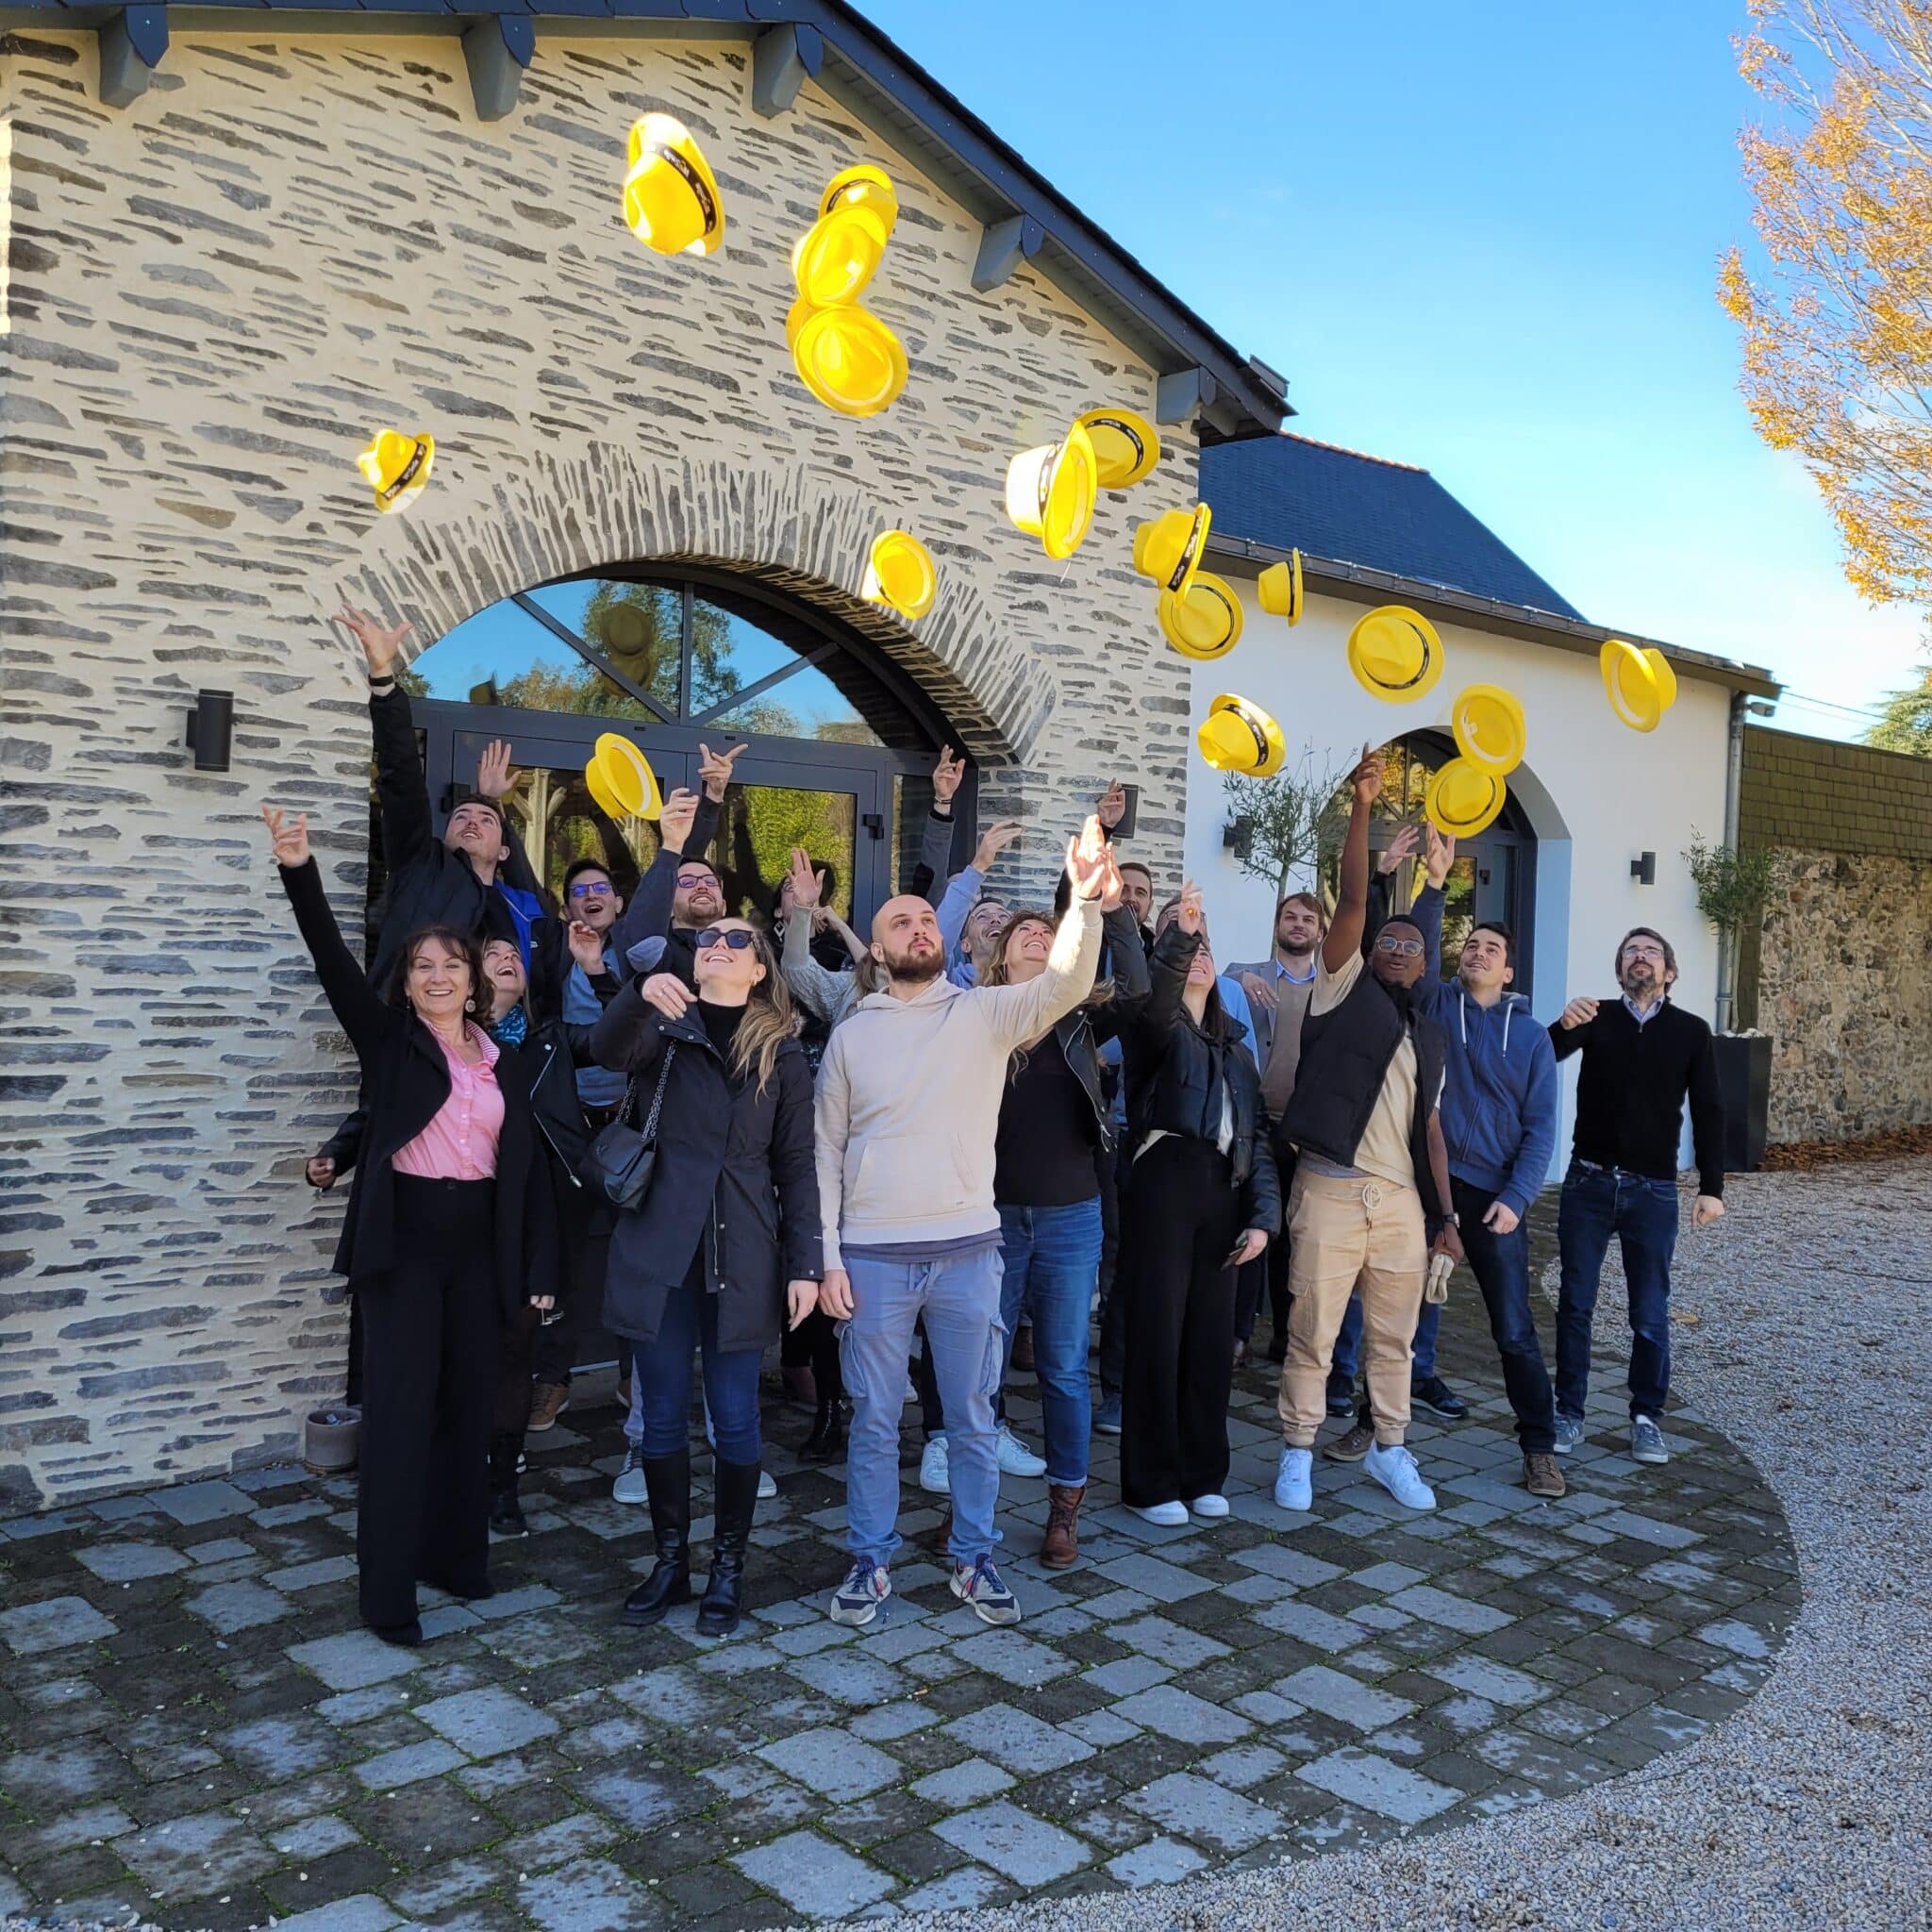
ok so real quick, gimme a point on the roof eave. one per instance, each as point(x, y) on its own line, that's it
point(1358, 583)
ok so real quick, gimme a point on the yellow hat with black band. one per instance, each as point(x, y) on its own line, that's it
point(670, 199)
point(1126, 447)
point(1169, 548)
point(1206, 623)
point(1464, 798)
point(396, 467)
point(835, 258)
point(619, 778)
point(848, 359)
point(1051, 493)
point(863, 186)
point(899, 574)
point(1236, 736)
point(1488, 728)
point(1640, 684)
point(1279, 589)
point(1395, 654)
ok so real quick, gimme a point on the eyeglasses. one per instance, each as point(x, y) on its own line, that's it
point(685, 880)
point(586, 889)
point(1402, 949)
point(738, 937)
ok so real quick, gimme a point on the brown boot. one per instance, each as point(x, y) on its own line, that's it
point(1542, 1478)
point(1061, 1548)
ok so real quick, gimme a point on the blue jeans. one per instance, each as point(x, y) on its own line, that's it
point(1052, 1256)
point(1501, 1265)
point(1642, 1215)
point(1347, 1358)
point(959, 1297)
point(661, 1372)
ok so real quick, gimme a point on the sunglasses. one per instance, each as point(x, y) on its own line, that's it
point(588, 888)
point(738, 937)
point(1402, 949)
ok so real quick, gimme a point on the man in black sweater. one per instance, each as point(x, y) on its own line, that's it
point(1642, 1056)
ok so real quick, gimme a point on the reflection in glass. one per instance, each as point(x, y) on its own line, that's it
point(762, 825)
point(503, 655)
point(639, 627)
point(807, 705)
point(558, 824)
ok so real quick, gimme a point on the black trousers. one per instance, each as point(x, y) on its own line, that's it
point(1271, 1270)
point(1116, 1177)
point(1180, 1218)
point(429, 1376)
point(586, 1223)
point(815, 1343)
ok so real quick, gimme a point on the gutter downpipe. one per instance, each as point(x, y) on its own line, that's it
point(1729, 950)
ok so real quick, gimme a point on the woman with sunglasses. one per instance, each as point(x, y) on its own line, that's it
point(1200, 1199)
point(450, 1231)
point(721, 1253)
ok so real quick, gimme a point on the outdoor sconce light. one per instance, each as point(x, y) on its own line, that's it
point(212, 729)
point(1238, 836)
point(1643, 868)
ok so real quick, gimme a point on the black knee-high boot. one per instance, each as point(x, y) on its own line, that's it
point(736, 1498)
point(667, 1480)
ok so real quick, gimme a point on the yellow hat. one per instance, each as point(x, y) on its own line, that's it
point(849, 359)
point(670, 199)
point(836, 256)
point(863, 186)
point(1126, 447)
point(1463, 799)
point(1051, 491)
point(1640, 685)
point(1236, 736)
point(620, 778)
point(397, 467)
point(1204, 624)
point(1488, 728)
point(899, 574)
point(1395, 654)
point(1279, 588)
point(1168, 548)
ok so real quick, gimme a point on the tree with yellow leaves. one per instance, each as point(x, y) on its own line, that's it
point(1838, 339)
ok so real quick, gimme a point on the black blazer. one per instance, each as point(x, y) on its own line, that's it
point(405, 1081)
point(734, 1174)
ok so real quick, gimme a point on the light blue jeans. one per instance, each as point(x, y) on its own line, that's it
point(959, 1297)
point(1052, 1258)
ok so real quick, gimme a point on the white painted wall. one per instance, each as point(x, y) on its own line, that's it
point(1596, 792)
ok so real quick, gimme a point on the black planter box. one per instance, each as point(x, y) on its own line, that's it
point(1743, 1072)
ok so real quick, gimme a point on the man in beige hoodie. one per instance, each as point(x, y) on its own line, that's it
point(908, 1105)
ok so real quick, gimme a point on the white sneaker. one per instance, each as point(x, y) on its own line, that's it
point(629, 1486)
point(1212, 1507)
point(935, 1475)
point(1166, 1515)
point(767, 1488)
point(1015, 1457)
point(1393, 1467)
point(1294, 1480)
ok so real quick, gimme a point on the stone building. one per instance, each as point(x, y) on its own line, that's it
point(238, 240)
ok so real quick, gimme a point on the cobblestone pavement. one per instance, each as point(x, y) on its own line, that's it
point(196, 1731)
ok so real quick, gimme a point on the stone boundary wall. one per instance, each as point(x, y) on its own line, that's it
point(214, 296)
point(1840, 977)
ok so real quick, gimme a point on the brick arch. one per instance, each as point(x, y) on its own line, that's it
point(457, 549)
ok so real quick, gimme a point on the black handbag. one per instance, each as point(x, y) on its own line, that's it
point(617, 1164)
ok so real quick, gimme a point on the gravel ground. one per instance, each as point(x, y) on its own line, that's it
point(1800, 1335)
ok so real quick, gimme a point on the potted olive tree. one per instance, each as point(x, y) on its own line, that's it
point(1733, 885)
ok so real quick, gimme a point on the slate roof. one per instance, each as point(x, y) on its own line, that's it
point(1337, 504)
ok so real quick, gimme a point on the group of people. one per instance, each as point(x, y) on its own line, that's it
point(712, 1134)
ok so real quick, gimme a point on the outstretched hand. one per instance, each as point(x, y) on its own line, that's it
point(586, 948)
point(1367, 776)
point(379, 646)
point(1187, 917)
point(994, 840)
point(715, 769)
point(1400, 846)
point(947, 775)
point(493, 770)
point(1112, 807)
point(807, 886)
point(1442, 856)
point(679, 813)
point(1086, 857)
point(290, 842)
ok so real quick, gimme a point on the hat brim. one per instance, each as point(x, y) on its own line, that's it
point(899, 574)
point(1430, 657)
point(1630, 683)
point(1464, 799)
point(1203, 624)
point(850, 360)
point(836, 257)
point(1488, 728)
point(671, 198)
point(1127, 448)
point(863, 186)
point(618, 774)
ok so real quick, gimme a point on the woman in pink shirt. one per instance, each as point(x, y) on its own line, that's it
point(450, 1229)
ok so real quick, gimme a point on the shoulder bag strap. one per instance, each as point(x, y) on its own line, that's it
point(657, 1097)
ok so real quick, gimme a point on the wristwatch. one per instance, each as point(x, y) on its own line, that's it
point(1453, 1219)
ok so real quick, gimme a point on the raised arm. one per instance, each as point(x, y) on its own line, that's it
point(936, 846)
point(1352, 903)
point(1020, 1013)
point(627, 1039)
point(648, 915)
point(1572, 1027)
point(365, 1019)
point(815, 988)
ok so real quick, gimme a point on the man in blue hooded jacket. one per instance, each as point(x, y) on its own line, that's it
point(1500, 1101)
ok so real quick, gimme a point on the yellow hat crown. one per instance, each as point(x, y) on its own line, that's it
point(1238, 736)
point(839, 254)
point(1051, 492)
point(1279, 588)
point(619, 778)
point(396, 467)
point(1395, 654)
point(1126, 446)
point(899, 574)
point(671, 198)
point(1169, 548)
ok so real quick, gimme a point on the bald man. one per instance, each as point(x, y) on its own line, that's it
point(908, 1104)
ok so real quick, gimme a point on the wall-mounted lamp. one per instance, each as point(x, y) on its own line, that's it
point(1238, 836)
point(1643, 868)
point(212, 729)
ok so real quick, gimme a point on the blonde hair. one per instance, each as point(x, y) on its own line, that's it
point(769, 1020)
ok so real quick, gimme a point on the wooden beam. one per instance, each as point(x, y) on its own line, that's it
point(133, 44)
point(783, 59)
point(496, 49)
point(1003, 247)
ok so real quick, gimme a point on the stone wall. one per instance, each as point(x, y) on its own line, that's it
point(1840, 977)
point(214, 296)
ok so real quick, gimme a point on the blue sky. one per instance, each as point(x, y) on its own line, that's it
point(1483, 238)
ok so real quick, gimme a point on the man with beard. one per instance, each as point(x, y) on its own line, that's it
point(1371, 1194)
point(908, 1104)
point(1642, 1056)
point(681, 893)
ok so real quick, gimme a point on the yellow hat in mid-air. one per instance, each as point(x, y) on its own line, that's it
point(899, 574)
point(863, 186)
point(1395, 654)
point(1206, 623)
point(1051, 492)
point(848, 359)
point(619, 778)
point(1279, 588)
point(396, 467)
point(670, 199)
point(1126, 447)
point(1236, 736)
point(1640, 684)
point(836, 256)
point(1488, 728)
point(1168, 548)
point(1464, 798)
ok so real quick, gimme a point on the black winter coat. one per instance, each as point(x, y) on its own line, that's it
point(404, 1082)
point(1175, 1071)
point(733, 1170)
